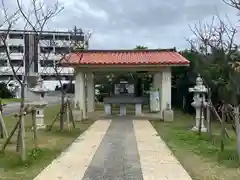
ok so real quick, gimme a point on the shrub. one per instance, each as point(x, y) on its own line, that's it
point(4, 91)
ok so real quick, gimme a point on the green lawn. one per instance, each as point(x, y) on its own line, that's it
point(10, 100)
point(200, 155)
point(51, 144)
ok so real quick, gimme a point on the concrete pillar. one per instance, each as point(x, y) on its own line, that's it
point(123, 110)
point(157, 80)
point(80, 95)
point(157, 85)
point(166, 92)
point(90, 92)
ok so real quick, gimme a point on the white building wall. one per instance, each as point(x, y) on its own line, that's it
point(48, 56)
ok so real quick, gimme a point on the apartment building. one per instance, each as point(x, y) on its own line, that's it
point(31, 53)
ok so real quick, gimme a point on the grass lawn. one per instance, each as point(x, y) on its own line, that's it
point(51, 144)
point(10, 100)
point(200, 155)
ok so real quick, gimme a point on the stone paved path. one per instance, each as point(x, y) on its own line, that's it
point(119, 149)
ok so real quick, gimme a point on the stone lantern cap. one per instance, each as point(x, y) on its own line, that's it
point(199, 87)
point(39, 87)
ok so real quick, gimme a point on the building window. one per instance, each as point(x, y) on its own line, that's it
point(17, 63)
point(3, 62)
point(46, 37)
point(2, 48)
point(46, 49)
point(16, 49)
point(62, 37)
point(47, 63)
point(16, 36)
point(62, 50)
point(77, 37)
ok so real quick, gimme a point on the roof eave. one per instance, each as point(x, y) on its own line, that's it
point(123, 65)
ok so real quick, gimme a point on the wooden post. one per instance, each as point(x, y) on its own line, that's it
point(1, 131)
point(237, 122)
point(4, 133)
point(34, 126)
point(10, 135)
point(55, 119)
point(209, 128)
point(67, 115)
point(222, 135)
point(218, 117)
point(71, 115)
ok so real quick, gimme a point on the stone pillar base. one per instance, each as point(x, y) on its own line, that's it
point(39, 126)
point(168, 115)
point(196, 128)
point(107, 109)
point(77, 115)
point(138, 109)
point(123, 110)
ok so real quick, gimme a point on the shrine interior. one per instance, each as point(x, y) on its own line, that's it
point(128, 88)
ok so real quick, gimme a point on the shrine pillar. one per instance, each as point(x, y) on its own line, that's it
point(80, 94)
point(166, 90)
point(90, 92)
point(163, 83)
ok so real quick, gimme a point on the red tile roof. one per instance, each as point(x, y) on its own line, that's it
point(126, 57)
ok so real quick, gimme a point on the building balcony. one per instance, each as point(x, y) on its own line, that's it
point(7, 70)
point(16, 42)
point(50, 56)
point(56, 71)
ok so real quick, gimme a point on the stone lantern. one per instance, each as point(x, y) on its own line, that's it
point(199, 100)
point(39, 104)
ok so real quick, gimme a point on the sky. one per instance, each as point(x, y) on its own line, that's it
point(123, 24)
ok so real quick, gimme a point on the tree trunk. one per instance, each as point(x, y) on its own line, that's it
point(3, 129)
point(22, 122)
point(34, 126)
point(18, 146)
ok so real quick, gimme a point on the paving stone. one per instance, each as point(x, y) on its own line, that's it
point(72, 163)
point(117, 156)
point(119, 149)
point(157, 160)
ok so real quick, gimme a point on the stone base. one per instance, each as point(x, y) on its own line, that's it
point(138, 109)
point(77, 115)
point(123, 110)
point(203, 129)
point(40, 126)
point(168, 115)
point(107, 109)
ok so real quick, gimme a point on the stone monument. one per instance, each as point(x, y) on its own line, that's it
point(199, 100)
point(39, 104)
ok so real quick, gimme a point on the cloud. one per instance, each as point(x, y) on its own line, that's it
point(124, 24)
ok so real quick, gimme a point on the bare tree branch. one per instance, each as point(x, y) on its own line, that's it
point(233, 3)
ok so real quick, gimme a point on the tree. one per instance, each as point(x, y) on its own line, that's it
point(4, 91)
point(182, 79)
point(141, 47)
point(77, 45)
point(34, 17)
point(233, 3)
point(216, 48)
